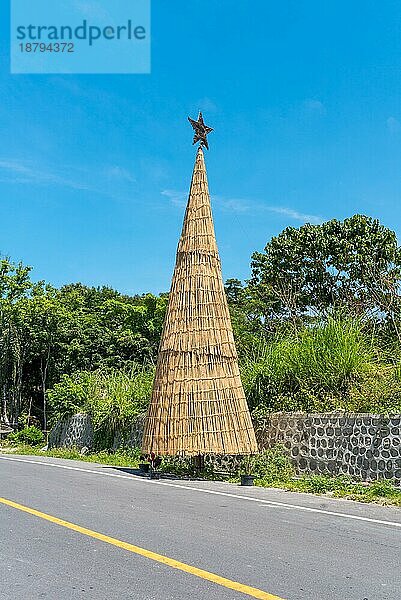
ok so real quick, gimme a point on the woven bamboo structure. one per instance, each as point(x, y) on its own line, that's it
point(198, 404)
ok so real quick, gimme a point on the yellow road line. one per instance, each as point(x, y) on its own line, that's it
point(165, 560)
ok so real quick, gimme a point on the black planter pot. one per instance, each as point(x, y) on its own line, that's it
point(144, 467)
point(247, 480)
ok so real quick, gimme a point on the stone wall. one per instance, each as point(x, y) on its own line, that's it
point(363, 445)
point(132, 437)
point(77, 432)
point(367, 446)
point(73, 432)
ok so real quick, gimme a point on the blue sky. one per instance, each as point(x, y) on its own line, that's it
point(304, 98)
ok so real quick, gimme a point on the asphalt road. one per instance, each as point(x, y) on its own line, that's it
point(293, 546)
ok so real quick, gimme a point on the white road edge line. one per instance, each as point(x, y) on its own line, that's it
point(271, 503)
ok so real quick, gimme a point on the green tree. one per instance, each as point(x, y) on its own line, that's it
point(15, 284)
point(47, 332)
point(355, 263)
point(234, 292)
point(44, 327)
point(247, 329)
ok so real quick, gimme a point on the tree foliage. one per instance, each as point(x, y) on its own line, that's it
point(318, 326)
point(355, 263)
point(46, 333)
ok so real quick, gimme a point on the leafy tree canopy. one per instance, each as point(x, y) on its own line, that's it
point(355, 263)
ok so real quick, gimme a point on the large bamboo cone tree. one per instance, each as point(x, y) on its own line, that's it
point(198, 404)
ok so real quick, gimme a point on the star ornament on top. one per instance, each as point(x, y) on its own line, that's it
point(201, 131)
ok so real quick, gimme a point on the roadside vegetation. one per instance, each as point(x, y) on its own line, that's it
point(123, 457)
point(272, 469)
point(113, 398)
point(317, 326)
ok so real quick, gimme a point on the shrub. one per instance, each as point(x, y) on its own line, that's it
point(184, 466)
point(121, 458)
point(315, 369)
point(119, 399)
point(113, 399)
point(177, 465)
point(378, 390)
point(71, 395)
point(383, 489)
point(317, 484)
point(272, 465)
point(29, 435)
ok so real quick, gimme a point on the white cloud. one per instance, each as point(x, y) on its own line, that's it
point(314, 106)
point(121, 174)
point(393, 125)
point(16, 171)
point(231, 204)
point(294, 214)
point(177, 198)
point(206, 105)
point(237, 205)
point(105, 182)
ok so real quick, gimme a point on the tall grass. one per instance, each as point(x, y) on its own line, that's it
point(113, 398)
point(314, 370)
point(120, 396)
